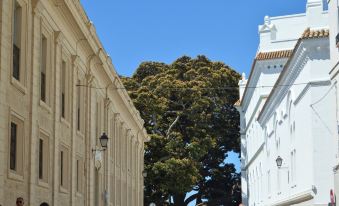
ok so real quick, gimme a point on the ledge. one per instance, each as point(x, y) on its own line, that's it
point(14, 176)
point(295, 199)
point(43, 184)
point(18, 85)
point(45, 106)
point(80, 134)
point(63, 190)
point(64, 122)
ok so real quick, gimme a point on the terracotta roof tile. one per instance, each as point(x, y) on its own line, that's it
point(309, 34)
point(274, 55)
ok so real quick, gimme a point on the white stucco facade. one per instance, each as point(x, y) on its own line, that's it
point(286, 110)
point(333, 7)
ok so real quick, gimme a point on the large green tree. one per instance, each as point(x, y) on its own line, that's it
point(188, 111)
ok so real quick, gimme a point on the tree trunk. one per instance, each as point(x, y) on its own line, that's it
point(198, 199)
point(179, 199)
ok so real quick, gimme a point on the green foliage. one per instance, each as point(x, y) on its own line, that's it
point(188, 111)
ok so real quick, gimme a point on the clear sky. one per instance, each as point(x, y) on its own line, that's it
point(133, 31)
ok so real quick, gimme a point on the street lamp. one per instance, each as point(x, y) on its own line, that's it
point(144, 173)
point(103, 142)
point(279, 161)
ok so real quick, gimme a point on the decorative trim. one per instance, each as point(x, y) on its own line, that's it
point(18, 85)
point(321, 82)
point(261, 98)
point(321, 33)
point(289, 74)
point(254, 156)
point(274, 55)
point(295, 199)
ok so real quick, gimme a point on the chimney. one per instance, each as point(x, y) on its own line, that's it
point(242, 85)
point(267, 33)
point(314, 10)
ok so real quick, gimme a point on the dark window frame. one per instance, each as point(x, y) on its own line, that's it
point(63, 89)
point(43, 68)
point(62, 168)
point(16, 62)
point(16, 55)
point(41, 159)
point(78, 107)
point(13, 146)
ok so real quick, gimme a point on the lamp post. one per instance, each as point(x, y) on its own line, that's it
point(279, 161)
point(103, 142)
point(144, 173)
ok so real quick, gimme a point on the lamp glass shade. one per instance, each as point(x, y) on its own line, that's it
point(103, 140)
point(279, 161)
point(144, 173)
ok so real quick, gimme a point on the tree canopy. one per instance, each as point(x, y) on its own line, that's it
point(188, 111)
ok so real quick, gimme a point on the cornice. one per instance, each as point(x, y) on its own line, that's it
point(317, 82)
point(254, 156)
point(261, 98)
point(75, 60)
point(291, 71)
point(85, 28)
point(254, 77)
point(59, 37)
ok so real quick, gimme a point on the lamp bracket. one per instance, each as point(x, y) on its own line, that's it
point(283, 167)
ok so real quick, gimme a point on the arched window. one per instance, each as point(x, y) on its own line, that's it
point(44, 204)
point(288, 99)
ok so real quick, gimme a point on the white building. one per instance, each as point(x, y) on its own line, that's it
point(333, 7)
point(286, 110)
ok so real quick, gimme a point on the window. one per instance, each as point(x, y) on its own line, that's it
point(325, 5)
point(97, 119)
point(43, 157)
point(64, 168)
point(13, 146)
point(119, 144)
point(112, 188)
point(17, 40)
point(79, 174)
point(63, 89)
point(43, 66)
point(78, 106)
point(293, 166)
point(268, 182)
point(41, 163)
point(16, 144)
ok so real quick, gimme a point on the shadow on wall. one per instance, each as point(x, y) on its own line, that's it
point(245, 198)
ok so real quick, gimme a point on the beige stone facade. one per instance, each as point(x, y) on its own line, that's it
point(58, 93)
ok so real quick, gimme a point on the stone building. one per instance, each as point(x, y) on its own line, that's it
point(58, 93)
point(288, 123)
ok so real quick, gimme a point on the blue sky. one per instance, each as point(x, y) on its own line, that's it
point(133, 31)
